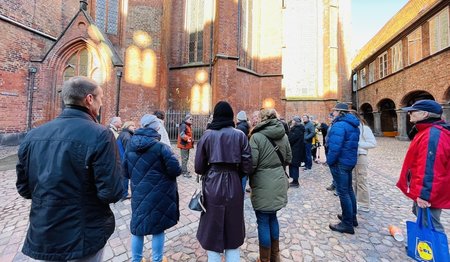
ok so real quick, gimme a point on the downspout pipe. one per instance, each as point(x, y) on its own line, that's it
point(239, 35)
point(30, 90)
point(211, 43)
point(118, 86)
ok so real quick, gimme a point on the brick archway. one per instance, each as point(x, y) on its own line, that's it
point(410, 99)
point(367, 113)
point(62, 61)
point(388, 117)
point(446, 97)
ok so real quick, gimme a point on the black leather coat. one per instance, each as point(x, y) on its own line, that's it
point(221, 157)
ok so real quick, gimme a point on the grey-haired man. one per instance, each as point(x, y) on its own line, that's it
point(65, 167)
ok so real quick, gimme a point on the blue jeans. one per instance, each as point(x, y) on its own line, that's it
point(137, 245)
point(244, 183)
point(125, 187)
point(231, 255)
point(293, 172)
point(308, 156)
point(268, 228)
point(342, 175)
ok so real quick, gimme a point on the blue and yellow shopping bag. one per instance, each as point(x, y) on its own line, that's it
point(424, 242)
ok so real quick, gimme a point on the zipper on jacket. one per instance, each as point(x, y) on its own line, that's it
point(408, 180)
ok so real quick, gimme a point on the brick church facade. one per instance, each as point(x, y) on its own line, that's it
point(173, 55)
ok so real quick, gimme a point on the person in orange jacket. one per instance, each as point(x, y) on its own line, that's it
point(185, 142)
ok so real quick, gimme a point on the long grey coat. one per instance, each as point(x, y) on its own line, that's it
point(222, 156)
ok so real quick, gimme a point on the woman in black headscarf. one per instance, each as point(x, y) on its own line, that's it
point(223, 156)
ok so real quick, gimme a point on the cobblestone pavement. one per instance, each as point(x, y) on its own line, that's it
point(304, 235)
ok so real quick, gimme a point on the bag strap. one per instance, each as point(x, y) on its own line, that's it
point(420, 220)
point(277, 150)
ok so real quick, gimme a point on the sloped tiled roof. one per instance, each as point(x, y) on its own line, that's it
point(412, 11)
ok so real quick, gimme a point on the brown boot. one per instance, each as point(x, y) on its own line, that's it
point(264, 254)
point(275, 251)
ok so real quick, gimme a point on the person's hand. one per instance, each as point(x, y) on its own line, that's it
point(423, 203)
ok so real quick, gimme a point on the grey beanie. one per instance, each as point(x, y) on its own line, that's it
point(150, 121)
point(241, 116)
point(187, 116)
point(297, 119)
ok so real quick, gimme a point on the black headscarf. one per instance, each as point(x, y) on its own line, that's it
point(222, 117)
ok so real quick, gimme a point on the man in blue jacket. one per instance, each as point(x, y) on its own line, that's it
point(342, 154)
point(67, 168)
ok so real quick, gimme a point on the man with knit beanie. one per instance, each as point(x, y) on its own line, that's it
point(185, 142)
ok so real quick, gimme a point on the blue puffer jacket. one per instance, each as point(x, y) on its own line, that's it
point(153, 169)
point(342, 141)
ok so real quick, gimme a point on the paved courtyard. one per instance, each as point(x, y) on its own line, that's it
point(304, 235)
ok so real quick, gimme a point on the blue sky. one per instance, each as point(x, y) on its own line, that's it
point(369, 16)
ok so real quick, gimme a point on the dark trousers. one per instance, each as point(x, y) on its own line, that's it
point(308, 157)
point(294, 172)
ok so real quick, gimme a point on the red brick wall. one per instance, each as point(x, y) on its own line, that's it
point(18, 46)
point(147, 16)
point(430, 75)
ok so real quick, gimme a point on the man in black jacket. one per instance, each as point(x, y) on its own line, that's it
point(67, 168)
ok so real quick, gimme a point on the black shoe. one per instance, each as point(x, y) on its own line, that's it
point(340, 228)
point(294, 184)
point(331, 187)
point(355, 222)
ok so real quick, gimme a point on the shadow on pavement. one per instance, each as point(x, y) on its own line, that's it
point(8, 163)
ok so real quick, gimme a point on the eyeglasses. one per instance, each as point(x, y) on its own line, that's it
point(410, 112)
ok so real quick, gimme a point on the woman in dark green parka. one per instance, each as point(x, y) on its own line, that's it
point(269, 181)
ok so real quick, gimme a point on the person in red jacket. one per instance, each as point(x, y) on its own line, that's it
point(185, 142)
point(424, 177)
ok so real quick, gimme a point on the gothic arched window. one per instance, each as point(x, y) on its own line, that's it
point(84, 63)
point(195, 21)
point(107, 15)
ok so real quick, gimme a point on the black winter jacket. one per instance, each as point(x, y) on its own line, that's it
point(297, 142)
point(70, 169)
point(153, 168)
point(244, 127)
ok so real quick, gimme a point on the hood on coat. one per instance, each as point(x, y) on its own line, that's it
point(349, 118)
point(272, 128)
point(143, 139)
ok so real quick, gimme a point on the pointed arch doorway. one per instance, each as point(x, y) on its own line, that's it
point(80, 59)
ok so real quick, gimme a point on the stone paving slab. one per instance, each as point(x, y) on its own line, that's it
point(304, 232)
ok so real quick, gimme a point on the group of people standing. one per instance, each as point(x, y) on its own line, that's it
point(89, 167)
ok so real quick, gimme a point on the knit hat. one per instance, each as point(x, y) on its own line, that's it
point(430, 106)
point(341, 107)
point(241, 116)
point(159, 114)
point(223, 111)
point(297, 119)
point(187, 116)
point(150, 121)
